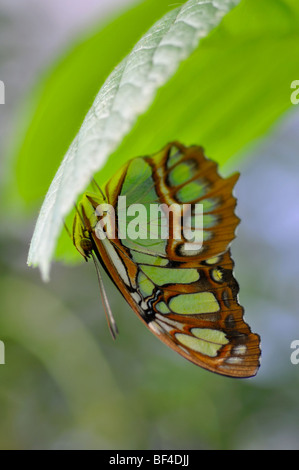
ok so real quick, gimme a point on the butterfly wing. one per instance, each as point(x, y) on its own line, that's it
point(187, 298)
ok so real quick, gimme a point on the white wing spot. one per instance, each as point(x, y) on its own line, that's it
point(234, 360)
point(155, 327)
point(240, 350)
point(136, 296)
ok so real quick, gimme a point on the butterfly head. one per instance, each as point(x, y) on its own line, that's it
point(84, 224)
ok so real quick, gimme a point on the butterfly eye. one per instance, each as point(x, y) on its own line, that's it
point(86, 245)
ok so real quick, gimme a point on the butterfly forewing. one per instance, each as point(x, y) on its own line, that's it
point(188, 298)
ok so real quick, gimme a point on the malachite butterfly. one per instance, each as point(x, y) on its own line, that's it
point(188, 299)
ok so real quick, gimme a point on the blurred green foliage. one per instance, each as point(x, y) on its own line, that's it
point(66, 384)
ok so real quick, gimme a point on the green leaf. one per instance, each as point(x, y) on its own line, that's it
point(125, 95)
point(229, 92)
point(55, 109)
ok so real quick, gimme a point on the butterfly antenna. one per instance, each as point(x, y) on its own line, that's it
point(108, 312)
point(98, 187)
point(67, 230)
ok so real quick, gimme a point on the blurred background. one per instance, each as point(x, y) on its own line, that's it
point(66, 384)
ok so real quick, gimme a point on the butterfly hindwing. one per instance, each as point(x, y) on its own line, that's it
point(201, 318)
